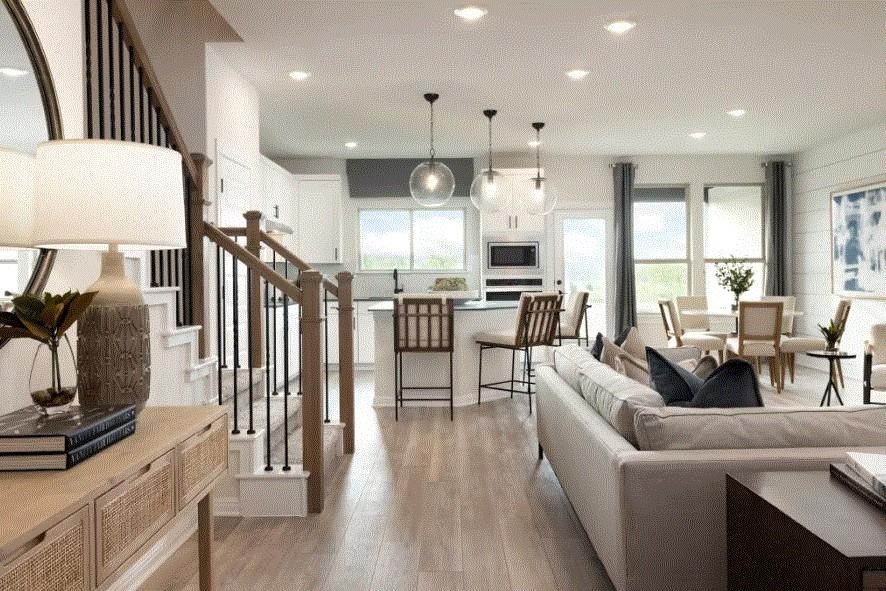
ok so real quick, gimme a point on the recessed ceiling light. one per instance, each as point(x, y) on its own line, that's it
point(350, 145)
point(698, 134)
point(299, 75)
point(620, 27)
point(737, 113)
point(13, 72)
point(577, 74)
point(470, 13)
point(534, 143)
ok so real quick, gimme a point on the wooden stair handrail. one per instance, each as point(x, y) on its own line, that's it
point(293, 259)
point(140, 56)
point(254, 263)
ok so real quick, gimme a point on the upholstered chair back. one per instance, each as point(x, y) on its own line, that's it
point(790, 304)
point(537, 318)
point(574, 312)
point(760, 322)
point(694, 322)
point(671, 320)
point(423, 324)
point(878, 343)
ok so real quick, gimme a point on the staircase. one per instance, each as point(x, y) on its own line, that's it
point(280, 446)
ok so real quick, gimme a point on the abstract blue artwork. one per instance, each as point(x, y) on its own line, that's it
point(858, 241)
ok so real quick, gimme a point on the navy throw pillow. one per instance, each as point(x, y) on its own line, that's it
point(675, 384)
point(597, 349)
point(732, 385)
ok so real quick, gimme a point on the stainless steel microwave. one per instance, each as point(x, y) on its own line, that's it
point(513, 255)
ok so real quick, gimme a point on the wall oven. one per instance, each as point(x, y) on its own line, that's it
point(509, 289)
point(511, 256)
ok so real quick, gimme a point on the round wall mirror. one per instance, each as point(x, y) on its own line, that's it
point(29, 115)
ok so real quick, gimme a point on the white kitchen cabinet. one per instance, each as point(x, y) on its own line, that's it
point(279, 198)
point(517, 185)
point(319, 201)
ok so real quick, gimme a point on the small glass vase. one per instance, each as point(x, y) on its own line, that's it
point(53, 379)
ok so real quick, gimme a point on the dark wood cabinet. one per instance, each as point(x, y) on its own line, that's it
point(802, 531)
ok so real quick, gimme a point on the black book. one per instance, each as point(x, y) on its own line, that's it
point(65, 460)
point(27, 431)
point(853, 480)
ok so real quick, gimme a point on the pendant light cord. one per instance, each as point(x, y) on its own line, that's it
point(433, 152)
point(490, 172)
point(537, 150)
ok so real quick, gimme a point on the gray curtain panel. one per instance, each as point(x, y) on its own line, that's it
point(776, 228)
point(625, 290)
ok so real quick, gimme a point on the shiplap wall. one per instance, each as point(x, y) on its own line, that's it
point(852, 161)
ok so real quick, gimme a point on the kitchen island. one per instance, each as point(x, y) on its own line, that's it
point(431, 369)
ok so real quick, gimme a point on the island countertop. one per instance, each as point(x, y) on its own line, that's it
point(469, 306)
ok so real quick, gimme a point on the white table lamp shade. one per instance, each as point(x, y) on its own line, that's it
point(90, 194)
point(16, 198)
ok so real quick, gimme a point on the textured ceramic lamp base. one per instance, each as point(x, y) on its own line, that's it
point(114, 356)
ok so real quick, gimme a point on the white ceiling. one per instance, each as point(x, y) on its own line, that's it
point(805, 71)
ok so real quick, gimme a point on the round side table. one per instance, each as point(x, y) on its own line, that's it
point(832, 357)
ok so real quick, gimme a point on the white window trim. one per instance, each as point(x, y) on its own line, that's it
point(411, 269)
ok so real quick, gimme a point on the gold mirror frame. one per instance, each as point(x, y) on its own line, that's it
point(46, 257)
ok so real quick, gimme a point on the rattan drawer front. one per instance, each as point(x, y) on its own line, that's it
point(131, 512)
point(57, 560)
point(200, 460)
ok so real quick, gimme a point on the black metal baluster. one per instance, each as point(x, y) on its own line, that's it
point(224, 351)
point(274, 263)
point(268, 466)
point(300, 343)
point(286, 466)
point(122, 80)
point(150, 116)
point(235, 319)
point(160, 270)
point(326, 352)
point(87, 37)
point(179, 297)
point(131, 52)
point(219, 320)
point(141, 105)
point(111, 97)
point(100, 59)
point(249, 332)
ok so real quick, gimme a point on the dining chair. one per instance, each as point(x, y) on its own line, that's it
point(693, 322)
point(678, 337)
point(422, 324)
point(538, 315)
point(759, 336)
point(875, 363)
point(791, 344)
point(574, 315)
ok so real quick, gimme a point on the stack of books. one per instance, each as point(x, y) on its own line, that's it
point(865, 473)
point(30, 440)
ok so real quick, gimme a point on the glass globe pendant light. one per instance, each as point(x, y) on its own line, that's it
point(541, 200)
point(431, 182)
point(487, 193)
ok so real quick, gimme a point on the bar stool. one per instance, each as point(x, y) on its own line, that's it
point(575, 313)
point(422, 324)
point(537, 319)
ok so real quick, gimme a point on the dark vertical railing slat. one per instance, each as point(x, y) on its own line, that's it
point(249, 331)
point(326, 354)
point(286, 466)
point(112, 113)
point(219, 319)
point(268, 466)
point(235, 324)
point(87, 34)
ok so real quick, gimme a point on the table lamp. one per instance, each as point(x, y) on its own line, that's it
point(16, 198)
point(112, 196)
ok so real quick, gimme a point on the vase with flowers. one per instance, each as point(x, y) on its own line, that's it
point(46, 320)
point(735, 276)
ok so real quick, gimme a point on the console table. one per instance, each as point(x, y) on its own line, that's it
point(802, 530)
point(83, 528)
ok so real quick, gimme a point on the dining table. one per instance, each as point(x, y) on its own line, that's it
point(727, 313)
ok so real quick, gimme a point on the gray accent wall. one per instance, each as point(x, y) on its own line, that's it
point(389, 177)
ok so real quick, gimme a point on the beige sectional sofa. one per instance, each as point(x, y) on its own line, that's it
point(648, 481)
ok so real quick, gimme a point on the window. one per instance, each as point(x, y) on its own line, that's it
point(733, 226)
point(661, 255)
point(412, 239)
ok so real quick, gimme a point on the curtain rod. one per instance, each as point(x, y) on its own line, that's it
point(613, 165)
point(786, 163)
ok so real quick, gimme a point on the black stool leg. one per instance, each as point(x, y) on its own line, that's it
point(451, 389)
point(541, 452)
point(513, 363)
point(480, 375)
point(529, 376)
point(396, 386)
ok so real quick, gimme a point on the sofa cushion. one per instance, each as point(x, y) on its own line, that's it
point(615, 397)
point(568, 359)
point(677, 428)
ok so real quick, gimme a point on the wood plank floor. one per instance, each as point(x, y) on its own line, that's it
point(424, 504)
